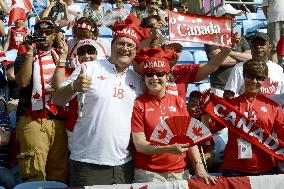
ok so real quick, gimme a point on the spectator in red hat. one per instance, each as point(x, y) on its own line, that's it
point(155, 163)
point(16, 35)
point(107, 90)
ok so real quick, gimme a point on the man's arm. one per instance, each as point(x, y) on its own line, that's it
point(7, 41)
point(77, 82)
point(23, 72)
point(234, 83)
point(214, 63)
point(265, 7)
point(241, 56)
point(229, 61)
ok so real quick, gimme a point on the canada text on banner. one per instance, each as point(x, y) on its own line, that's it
point(201, 29)
point(223, 112)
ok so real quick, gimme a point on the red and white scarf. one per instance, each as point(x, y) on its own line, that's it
point(228, 116)
point(43, 69)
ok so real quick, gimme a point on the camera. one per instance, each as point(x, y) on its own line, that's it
point(59, 7)
point(34, 39)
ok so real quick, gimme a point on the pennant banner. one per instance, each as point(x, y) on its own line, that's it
point(228, 116)
point(201, 29)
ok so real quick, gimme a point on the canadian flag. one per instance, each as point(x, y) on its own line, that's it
point(251, 182)
point(19, 9)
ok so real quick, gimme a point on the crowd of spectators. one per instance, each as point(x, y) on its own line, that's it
point(80, 109)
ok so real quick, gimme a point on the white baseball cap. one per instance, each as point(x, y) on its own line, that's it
point(228, 9)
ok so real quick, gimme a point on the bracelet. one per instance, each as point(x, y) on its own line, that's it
point(61, 66)
point(29, 56)
point(198, 162)
point(29, 52)
point(60, 61)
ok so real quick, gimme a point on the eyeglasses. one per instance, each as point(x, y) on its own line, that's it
point(47, 32)
point(128, 45)
point(158, 74)
point(154, 3)
point(184, 7)
point(252, 77)
point(89, 51)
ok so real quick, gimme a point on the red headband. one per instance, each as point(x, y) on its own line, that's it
point(155, 59)
point(130, 28)
point(85, 26)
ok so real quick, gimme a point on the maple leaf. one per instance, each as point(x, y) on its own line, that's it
point(144, 187)
point(197, 131)
point(36, 96)
point(102, 77)
point(162, 134)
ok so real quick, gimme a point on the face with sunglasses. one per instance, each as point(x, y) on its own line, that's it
point(50, 37)
point(253, 83)
point(184, 8)
point(156, 83)
point(153, 4)
point(86, 53)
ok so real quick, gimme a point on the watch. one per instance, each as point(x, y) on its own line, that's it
point(198, 162)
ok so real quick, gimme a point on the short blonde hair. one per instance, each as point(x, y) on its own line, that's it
point(255, 67)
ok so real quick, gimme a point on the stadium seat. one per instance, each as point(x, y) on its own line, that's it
point(186, 57)
point(11, 55)
point(41, 184)
point(127, 6)
point(241, 17)
point(239, 29)
point(106, 6)
point(105, 32)
point(192, 46)
point(81, 7)
point(68, 33)
point(200, 57)
point(259, 15)
point(251, 26)
point(198, 87)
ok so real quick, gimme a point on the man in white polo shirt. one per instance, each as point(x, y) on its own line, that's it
point(108, 88)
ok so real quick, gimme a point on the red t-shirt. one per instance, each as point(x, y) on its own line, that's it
point(184, 74)
point(148, 112)
point(269, 116)
point(17, 37)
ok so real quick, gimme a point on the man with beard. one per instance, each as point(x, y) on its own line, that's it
point(260, 50)
point(107, 90)
point(40, 129)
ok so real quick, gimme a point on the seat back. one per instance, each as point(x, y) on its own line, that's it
point(41, 184)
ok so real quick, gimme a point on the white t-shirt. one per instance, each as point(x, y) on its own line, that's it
point(274, 84)
point(279, 99)
point(102, 134)
point(275, 10)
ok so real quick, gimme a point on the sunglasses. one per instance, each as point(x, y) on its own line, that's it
point(158, 74)
point(184, 7)
point(47, 32)
point(89, 51)
point(128, 45)
point(252, 77)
